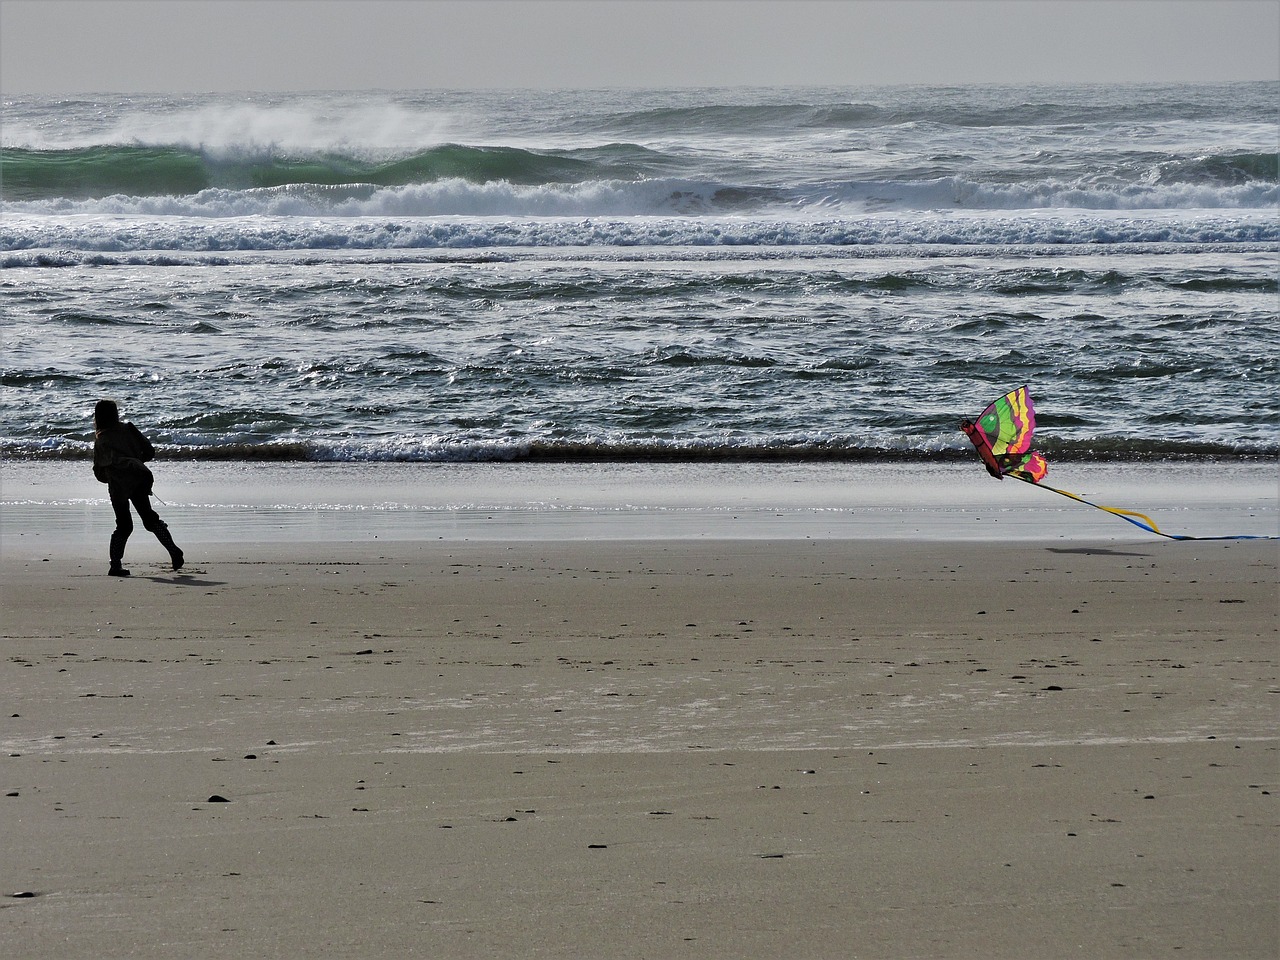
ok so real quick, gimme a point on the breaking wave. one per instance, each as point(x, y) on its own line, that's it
point(51, 241)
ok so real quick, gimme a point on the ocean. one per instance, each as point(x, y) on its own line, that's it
point(793, 274)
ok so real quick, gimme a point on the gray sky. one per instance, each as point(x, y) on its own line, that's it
point(68, 46)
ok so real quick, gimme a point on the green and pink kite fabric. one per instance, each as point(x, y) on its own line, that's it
point(1002, 435)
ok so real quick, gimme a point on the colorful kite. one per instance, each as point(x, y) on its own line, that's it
point(1002, 436)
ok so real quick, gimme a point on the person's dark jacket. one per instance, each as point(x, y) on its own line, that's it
point(119, 455)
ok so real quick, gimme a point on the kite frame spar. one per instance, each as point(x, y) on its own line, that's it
point(1002, 435)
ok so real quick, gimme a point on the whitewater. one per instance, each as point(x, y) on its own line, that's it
point(790, 272)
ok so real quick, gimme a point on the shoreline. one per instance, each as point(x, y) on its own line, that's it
point(644, 454)
point(58, 505)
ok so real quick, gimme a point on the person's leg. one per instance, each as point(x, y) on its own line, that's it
point(151, 521)
point(124, 527)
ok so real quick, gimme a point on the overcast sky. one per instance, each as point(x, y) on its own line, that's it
point(69, 46)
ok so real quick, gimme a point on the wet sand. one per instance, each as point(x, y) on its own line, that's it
point(771, 747)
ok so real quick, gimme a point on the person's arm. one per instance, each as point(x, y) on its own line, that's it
point(102, 458)
point(145, 450)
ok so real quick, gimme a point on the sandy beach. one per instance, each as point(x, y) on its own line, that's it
point(642, 748)
point(574, 417)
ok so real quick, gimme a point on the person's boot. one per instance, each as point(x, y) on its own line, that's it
point(166, 541)
point(117, 570)
point(115, 549)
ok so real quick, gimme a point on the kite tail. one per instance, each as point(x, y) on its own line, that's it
point(1139, 519)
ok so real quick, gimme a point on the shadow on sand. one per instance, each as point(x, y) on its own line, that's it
point(186, 580)
point(1097, 551)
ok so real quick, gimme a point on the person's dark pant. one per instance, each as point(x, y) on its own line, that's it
point(122, 495)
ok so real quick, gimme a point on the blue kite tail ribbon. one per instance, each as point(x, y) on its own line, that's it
point(1140, 519)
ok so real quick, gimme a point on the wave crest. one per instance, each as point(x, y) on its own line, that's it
point(147, 171)
point(53, 241)
point(794, 450)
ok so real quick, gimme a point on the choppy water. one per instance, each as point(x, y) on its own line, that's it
point(794, 273)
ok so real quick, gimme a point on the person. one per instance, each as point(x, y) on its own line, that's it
point(120, 452)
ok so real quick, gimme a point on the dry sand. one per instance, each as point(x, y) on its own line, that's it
point(662, 749)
